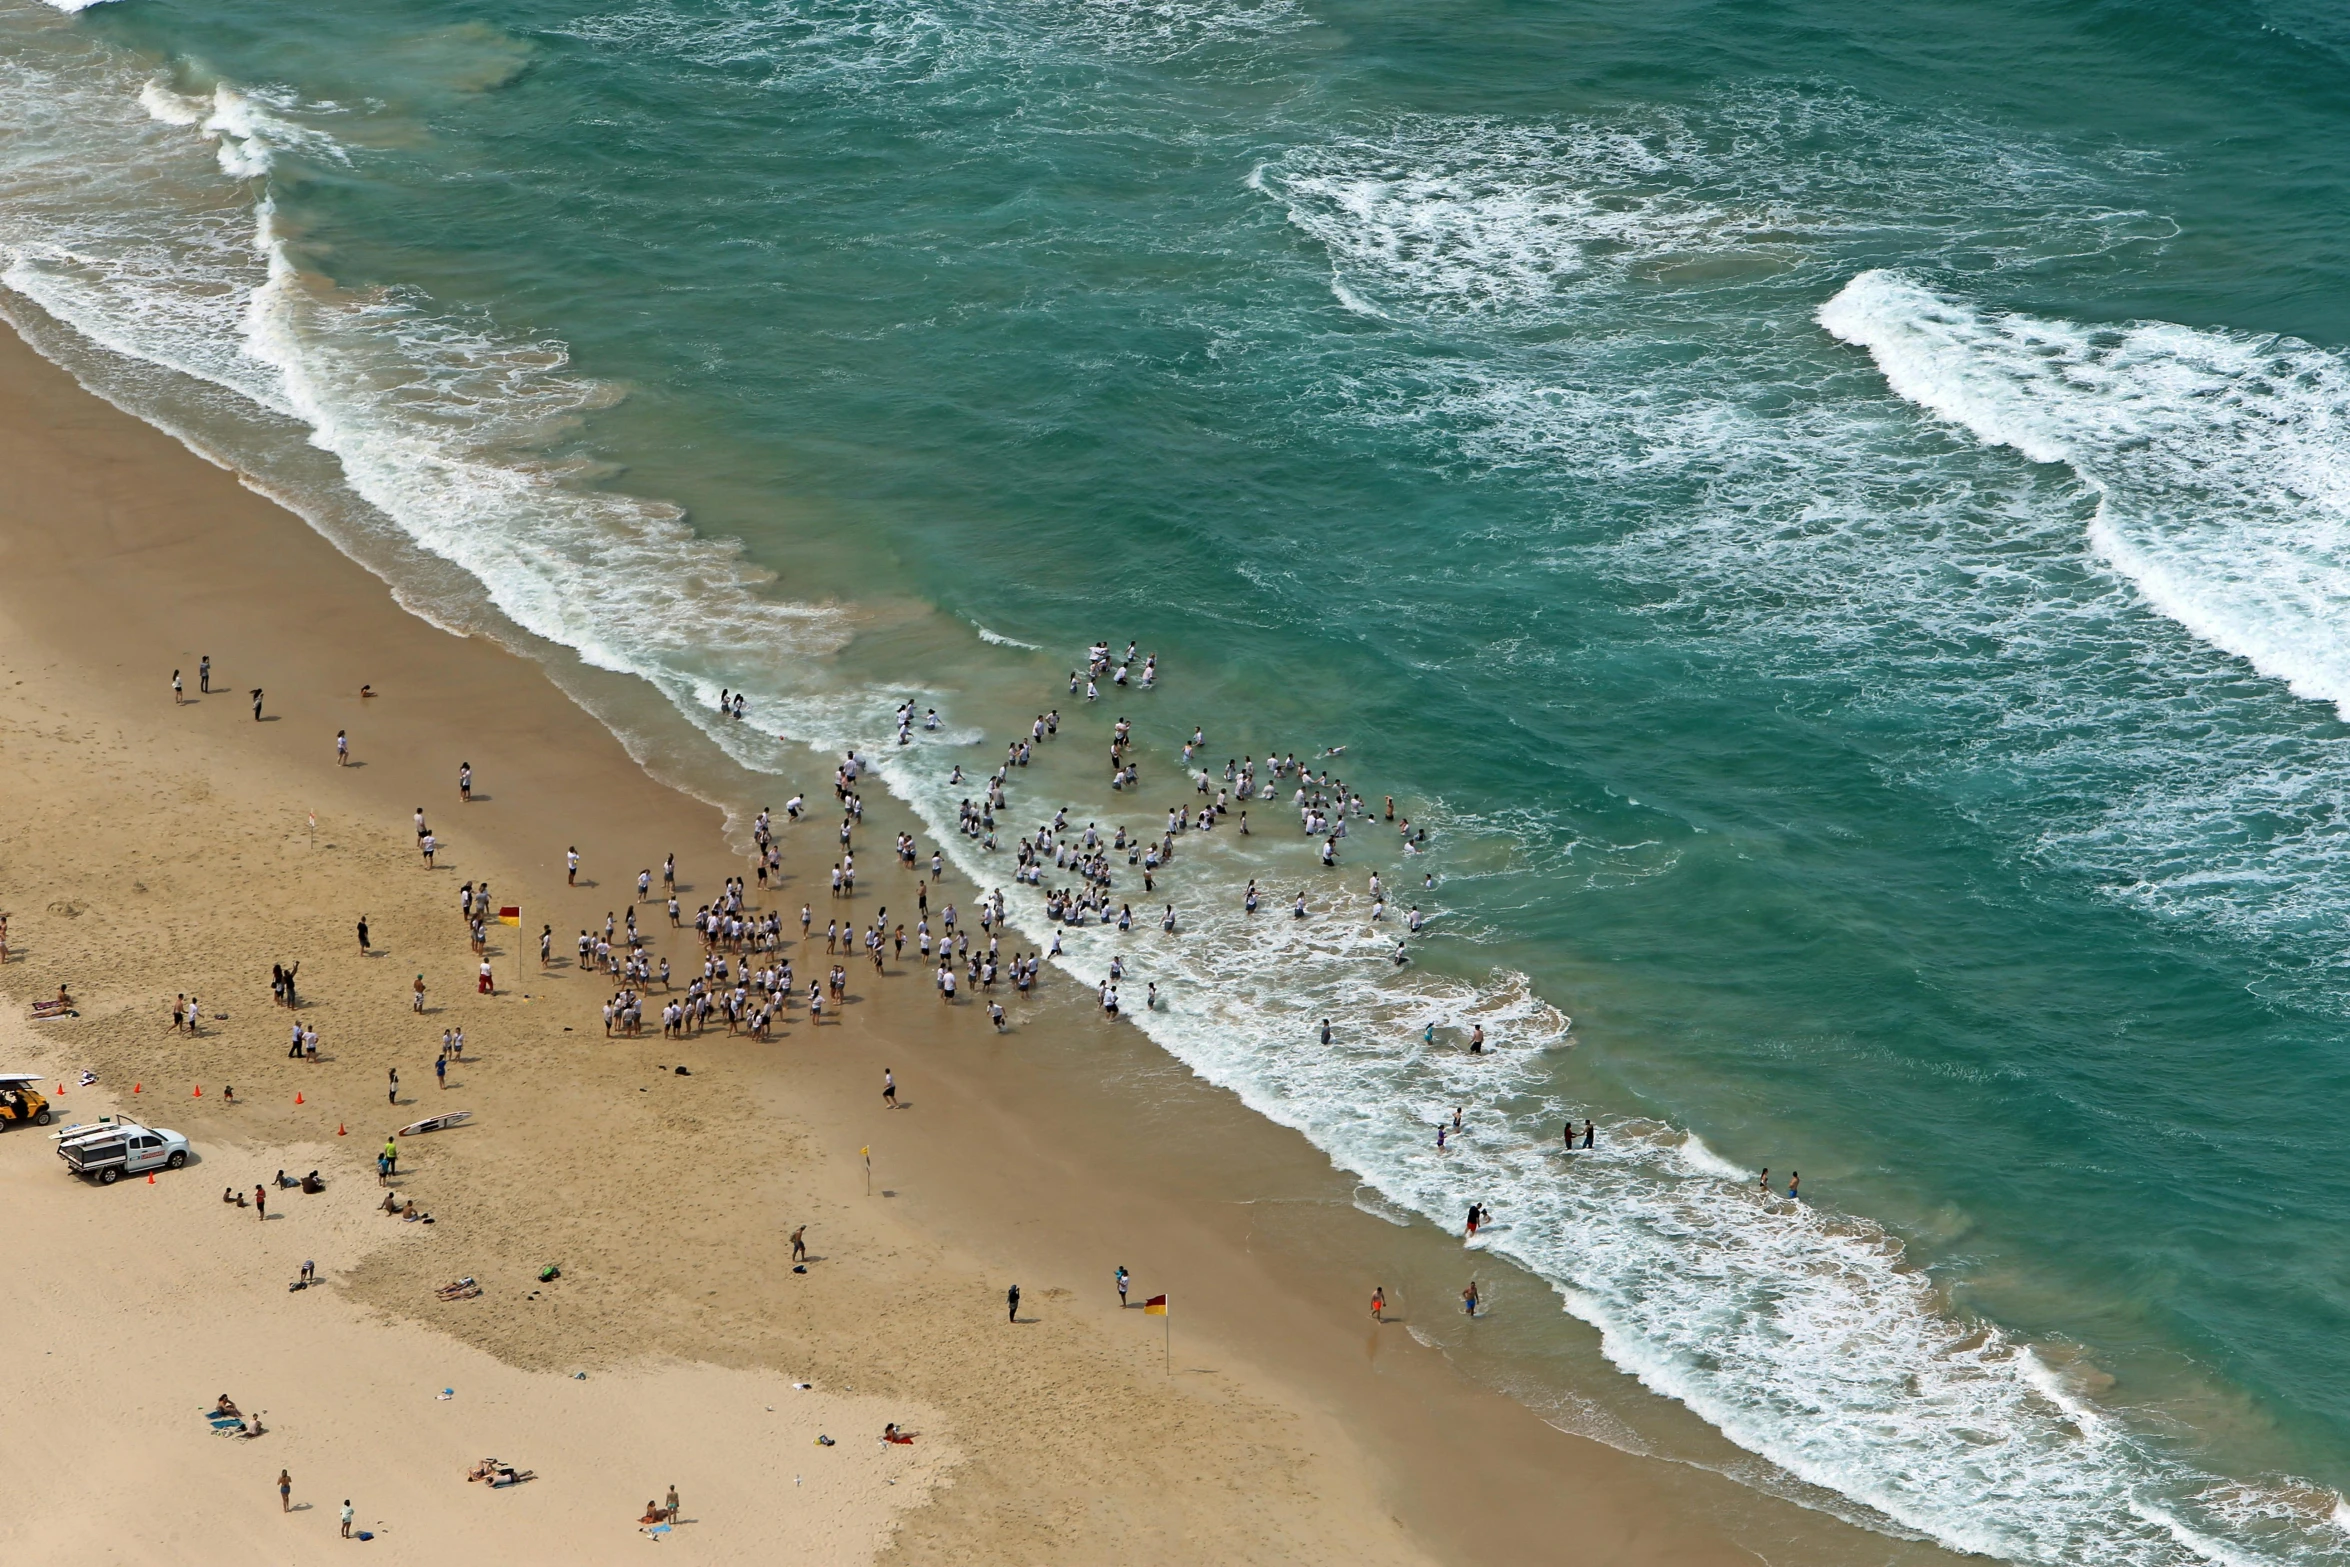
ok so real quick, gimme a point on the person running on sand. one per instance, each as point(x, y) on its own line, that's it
point(889, 1088)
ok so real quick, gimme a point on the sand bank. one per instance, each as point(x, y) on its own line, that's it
point(154, 848)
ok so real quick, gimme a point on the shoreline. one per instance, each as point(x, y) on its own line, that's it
point(1294, 1433)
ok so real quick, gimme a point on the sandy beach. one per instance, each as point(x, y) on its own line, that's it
point(153, 848)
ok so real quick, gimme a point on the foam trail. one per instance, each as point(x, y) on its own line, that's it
point(2221, 461)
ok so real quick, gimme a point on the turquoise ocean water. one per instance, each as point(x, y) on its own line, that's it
point(1831, 515)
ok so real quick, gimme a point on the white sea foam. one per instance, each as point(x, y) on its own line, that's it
point(451, 430)
point(2221, 461)
point(1812, 525)
point(1803, 1335)
point(805, 44)
point(998, 639)
point(1444, 219)
point(1702, 1160)
point(1813, 531)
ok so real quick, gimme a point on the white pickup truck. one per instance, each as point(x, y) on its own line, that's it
point(109, 1151)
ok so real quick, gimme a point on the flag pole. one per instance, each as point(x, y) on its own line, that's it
point(1156, 1306)
point(867, 1151)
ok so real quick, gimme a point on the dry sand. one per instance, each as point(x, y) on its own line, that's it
point(146, 1289)
point(150, 848)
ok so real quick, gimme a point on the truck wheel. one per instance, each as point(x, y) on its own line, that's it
point(177, 1159)
point(109, 1175)
point(42, 1119)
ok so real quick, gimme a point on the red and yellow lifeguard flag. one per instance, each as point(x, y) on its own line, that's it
point(509, 916)
point(1156, 1306)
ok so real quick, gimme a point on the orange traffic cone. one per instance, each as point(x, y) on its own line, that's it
point(297, 1096)
point(150, 1180)
point(199, 1090)
point(341, 1130)
point(134, 1088)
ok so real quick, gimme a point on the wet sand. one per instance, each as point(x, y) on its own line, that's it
point(153, 848)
